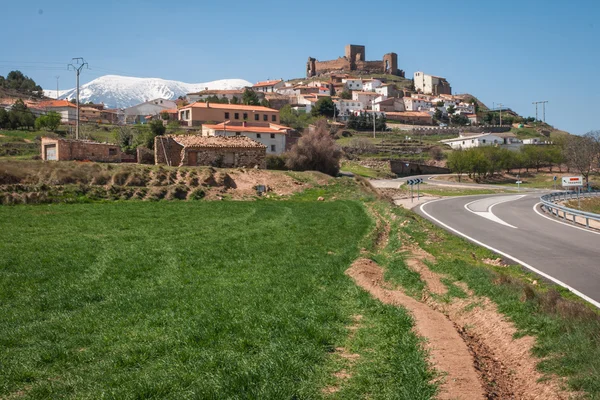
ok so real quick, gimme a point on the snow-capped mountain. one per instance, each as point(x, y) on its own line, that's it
point(125, 91)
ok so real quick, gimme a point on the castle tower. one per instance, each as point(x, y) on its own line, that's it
point(355, 53)
point(390, 63)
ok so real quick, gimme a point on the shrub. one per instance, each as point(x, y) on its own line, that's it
point(315, 151)
point(276, 162)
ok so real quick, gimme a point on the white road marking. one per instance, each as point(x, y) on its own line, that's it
point(523, 263)
point(535, 208)
point(488, 214)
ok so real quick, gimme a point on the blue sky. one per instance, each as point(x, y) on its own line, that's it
point(510, 52)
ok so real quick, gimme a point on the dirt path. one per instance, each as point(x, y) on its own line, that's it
point(449, 352)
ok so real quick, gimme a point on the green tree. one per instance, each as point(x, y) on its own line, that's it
point(459, 119)
point(458, 162)
point(234, 100)
point(294, 119)
point(265, 103)
point(323, 107)
point(451, 109)
point(3, 118)
point(157, 127)
point(53, 120)
point(346, 94)
point(437, 115)
point(250, 97)
point(440, 103)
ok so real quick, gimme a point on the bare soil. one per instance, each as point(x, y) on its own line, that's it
point(449, 352)
point(503, 366)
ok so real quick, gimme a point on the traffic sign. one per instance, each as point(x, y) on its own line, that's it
point(519, 182)
point(554, 177)
point(572, 181)
point(414, 181)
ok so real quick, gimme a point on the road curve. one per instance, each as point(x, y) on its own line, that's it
point(509, 225)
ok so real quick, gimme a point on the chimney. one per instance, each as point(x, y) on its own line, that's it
point(207, 104)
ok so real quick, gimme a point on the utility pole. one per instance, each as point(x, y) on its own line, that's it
point(77, 65)
point(57, 86)
point(500, 107)
point(373, 113)
point(543, 103)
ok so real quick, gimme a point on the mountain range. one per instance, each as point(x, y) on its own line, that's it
point(117, 91)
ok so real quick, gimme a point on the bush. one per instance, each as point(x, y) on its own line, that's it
point(315, 151)
point(276, 162)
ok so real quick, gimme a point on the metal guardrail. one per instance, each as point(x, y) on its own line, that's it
point(549, 202)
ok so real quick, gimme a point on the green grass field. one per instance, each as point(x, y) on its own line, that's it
point(132, 300)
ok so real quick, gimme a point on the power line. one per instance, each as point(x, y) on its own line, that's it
point(543, 103)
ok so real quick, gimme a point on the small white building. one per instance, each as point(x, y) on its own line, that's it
point(413, 104)
point(386, 90)
point(268, 86)
point(484, 139)
point(431, 84)
point(389, 105)
point(348, 106)
point(353, 84)
point(138, 113)
point(365, 97)
point(273, 136)
point(66, 109)
point(369, 85)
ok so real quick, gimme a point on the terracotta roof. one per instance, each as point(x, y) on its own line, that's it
point(243, 107)
point(216, 141)
point(408, 114)
point(56, 103)
point(170, 111)
point(267, 83)
point(252, 129)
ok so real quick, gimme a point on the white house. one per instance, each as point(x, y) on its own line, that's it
point(348, 106)
point(353, 84)
point(138, 113)
point(412, 104)
point(369, 85)
point(273, 136)
point(386, 90)
point(268, 86)
point(484, 139)
point(365, 97)
point(389, 105)
point(66, 109)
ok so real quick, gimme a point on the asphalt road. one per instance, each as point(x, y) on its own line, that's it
point(508, 225)
point(430, 180)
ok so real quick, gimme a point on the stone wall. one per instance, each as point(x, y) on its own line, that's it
point(167, 151)
point(144, 155)
point(216, 157)
point(80, 150)
point(354, 61)
point(406, 168)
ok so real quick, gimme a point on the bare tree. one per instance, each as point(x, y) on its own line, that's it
point(581, 153)
point(315, 151)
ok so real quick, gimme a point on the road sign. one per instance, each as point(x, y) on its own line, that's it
point(519, 182)
point(572, 181)
point(414, 181)
point(554, 177)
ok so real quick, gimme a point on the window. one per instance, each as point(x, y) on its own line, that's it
point(245, 115)
point(256, 117)
point(258, 135)
point(265, 117)
point(226, 115)
point(112, 151)
point(272, 136)
point(483, 140)
point(273, 148)
point(274, 118)
point(238, 133)
point(236, 115)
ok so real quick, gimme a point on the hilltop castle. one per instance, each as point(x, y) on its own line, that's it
point(354, 61)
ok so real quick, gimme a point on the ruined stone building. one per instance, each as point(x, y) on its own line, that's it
point(354, 61)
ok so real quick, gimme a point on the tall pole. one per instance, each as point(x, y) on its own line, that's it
point(543, 103)
point(373, 109)
point(500, 106)
point(57, 86)
point(77, 65)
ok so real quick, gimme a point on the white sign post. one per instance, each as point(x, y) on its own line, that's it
point(572, 181)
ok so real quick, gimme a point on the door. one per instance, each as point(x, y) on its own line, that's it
point(192, 158)
point(50, 152)
point(229, 160)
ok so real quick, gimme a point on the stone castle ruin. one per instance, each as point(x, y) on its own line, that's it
point(354, 61)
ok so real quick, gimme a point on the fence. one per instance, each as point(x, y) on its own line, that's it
point(550, 201)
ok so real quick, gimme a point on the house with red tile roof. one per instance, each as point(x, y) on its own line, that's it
point(268, 86)
point(216, 151)
point(273, 136)
point(66, 109)
point(200, 113)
